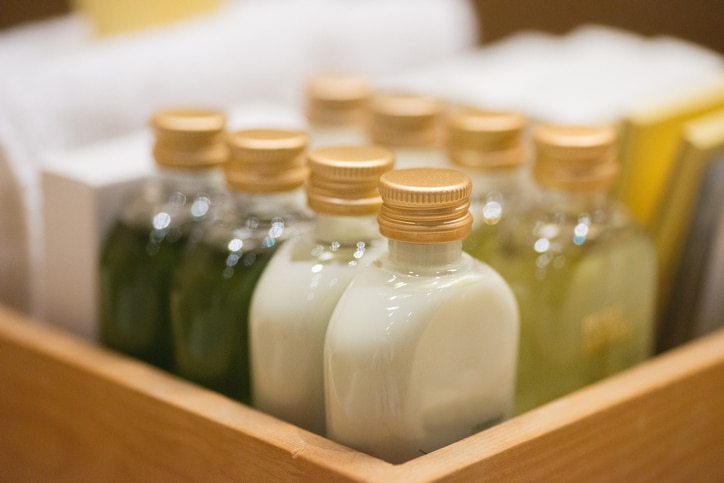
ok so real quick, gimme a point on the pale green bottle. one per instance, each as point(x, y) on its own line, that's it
point(583, 272)
point(488, 147)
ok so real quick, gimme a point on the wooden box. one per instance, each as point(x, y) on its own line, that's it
point(70, 411)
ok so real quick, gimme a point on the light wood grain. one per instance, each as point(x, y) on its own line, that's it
point(73, 412)
point(70, 411)
point(660, 421)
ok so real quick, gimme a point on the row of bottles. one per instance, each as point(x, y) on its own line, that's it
point(584, 274)
point(343, 110)
point(391, 312)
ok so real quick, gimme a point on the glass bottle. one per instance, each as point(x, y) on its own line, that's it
point(421, 348)
point(298, 291)
point(336, 110)
point(583, 272)
point(143, 248)
point(214, 281)
point(409, 124)
point(487, 146)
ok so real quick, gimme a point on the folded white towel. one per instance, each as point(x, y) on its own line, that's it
point(61, 88)
point(590, 75)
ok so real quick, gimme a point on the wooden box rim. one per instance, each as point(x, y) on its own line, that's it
point(73, 411)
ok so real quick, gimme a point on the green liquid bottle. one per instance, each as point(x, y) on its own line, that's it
point(487, 147)
point(143, 248)
point(214, 282)
point(583, 272)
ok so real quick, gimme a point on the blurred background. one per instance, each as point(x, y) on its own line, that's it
point(77, 72)
point(695, 20)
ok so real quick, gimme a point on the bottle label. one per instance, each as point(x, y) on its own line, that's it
point(603, 329)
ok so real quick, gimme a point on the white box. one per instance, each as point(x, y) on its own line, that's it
point(82, 192)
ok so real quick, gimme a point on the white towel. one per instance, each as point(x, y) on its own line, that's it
point(61, 88)
point(593, 74)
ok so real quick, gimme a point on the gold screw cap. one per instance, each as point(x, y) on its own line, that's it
point(405, 120)
point(266, 160)
point(484, 139)
point(425, 205)
point(344, 180)
point(189, 138)
point(575, 158)
point(337, 100)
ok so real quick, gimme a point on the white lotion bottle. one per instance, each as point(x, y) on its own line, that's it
point(421, 349)
point(295, 297)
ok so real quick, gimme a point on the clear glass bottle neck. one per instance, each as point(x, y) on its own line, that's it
point(345, 229)
point(572, 202)
point(419, 156)
point(185, 195)
point(190, 180)
point(489, 180)
point(425, 259)
point(321, 136)
point(268, 205)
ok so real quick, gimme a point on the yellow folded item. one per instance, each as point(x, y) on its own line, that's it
point(650, 138)
point(111, 17)
point(699, 142)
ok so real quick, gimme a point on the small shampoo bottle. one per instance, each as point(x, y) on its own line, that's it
point(300, 287)
point(421, 349)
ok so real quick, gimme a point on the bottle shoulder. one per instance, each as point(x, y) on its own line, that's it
point(468, 273)
point(163, 202)
point(235, 225)
point(309, 249)
point(554, 254)
point(545, 230)
point(305, 256)
point(309, 276)
point(383, 302)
